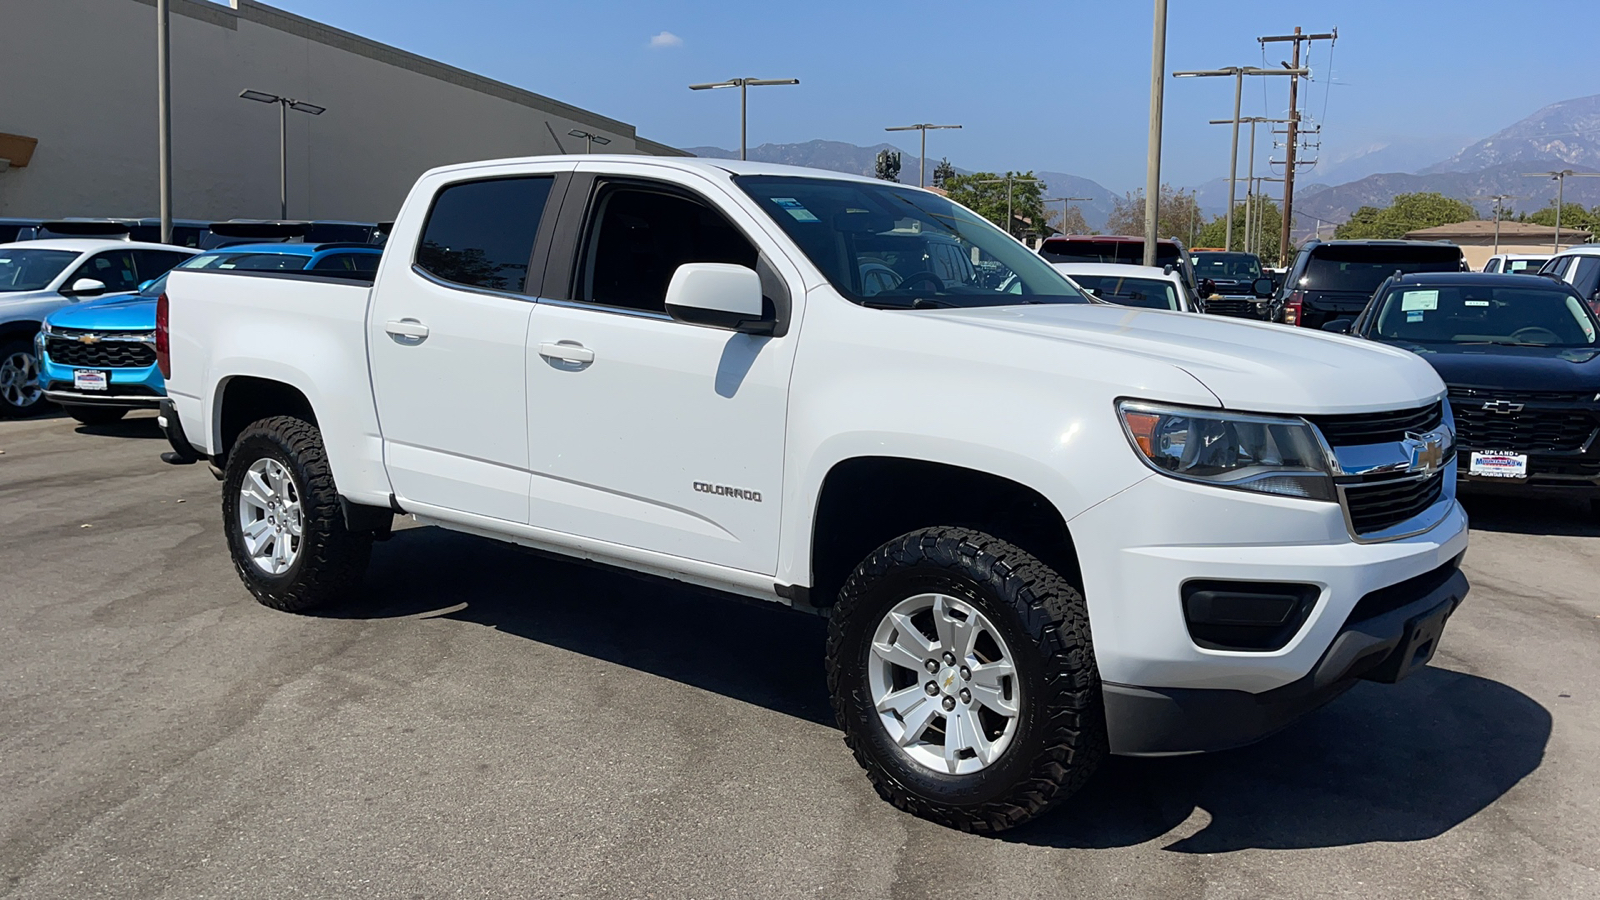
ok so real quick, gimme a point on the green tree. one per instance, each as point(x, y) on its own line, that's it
point(1573, 215)
point(1215, 232)
point(1408, 212)
point(1178, 216)
point(888, 165)
point(985, 194)
point(943, 172)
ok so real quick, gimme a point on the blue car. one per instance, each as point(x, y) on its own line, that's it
point(98, 359)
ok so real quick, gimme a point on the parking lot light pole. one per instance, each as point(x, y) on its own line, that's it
point(922, 164)
point(743, 84)
point(1561, 190)
point(1237, 73)
point(1008, 181)
point(284, 105)
point(164, 114)
point(1066, 205)
point(591, 139)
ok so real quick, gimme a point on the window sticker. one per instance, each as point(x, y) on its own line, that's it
point(1414, 316)
point(1475, 303)
point(794, 208)
point(1419, 300)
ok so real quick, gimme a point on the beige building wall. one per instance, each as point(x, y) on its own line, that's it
point(80, 75)
point(1478, 254)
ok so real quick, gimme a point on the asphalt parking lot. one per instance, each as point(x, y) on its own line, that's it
point(488, 723)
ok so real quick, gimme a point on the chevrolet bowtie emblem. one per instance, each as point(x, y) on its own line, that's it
point(1426, 450)
point(89, 338)
point(1503, 407)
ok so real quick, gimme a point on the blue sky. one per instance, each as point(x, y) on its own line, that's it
point(1058, 86)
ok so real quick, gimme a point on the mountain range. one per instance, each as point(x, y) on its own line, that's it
point(1564, 135)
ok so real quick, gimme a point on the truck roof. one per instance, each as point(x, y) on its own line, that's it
point(716, 167)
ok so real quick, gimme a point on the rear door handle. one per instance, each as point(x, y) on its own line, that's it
point(566, 352)
point(406, 331)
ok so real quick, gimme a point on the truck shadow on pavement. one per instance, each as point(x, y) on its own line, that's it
point(1389, 763)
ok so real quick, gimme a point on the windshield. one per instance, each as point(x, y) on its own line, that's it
point(894, 247)
point(1360, 269)
point(1227, 266)
point(1524, 316)
point(1149, 293)
point(31, 270)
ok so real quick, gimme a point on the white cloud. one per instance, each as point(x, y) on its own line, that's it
point(666, 39)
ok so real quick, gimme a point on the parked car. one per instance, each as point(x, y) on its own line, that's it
point(1521, 357)
point(38, 277)
point(1579, 267)
point(672, 366)
point(1149, 287)
point(97, 359)
point(1516, 263)
point(1239, 287)
point(1120, 249)
point(1335, 279)
point(14, 230)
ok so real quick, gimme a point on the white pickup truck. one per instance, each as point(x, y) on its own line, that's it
point(1043, 529)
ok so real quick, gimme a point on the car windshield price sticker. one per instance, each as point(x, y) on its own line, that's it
point(794, 208)
point(1499, 465)
point(1416, 301)
point(89, 379)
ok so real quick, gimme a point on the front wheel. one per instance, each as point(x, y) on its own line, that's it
point(963, 676)
point(20, 391)
point(281, 512)
point(95, 415)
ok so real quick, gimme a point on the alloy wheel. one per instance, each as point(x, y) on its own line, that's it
point(270, 517)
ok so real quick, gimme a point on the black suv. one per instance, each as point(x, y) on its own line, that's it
point(1335, 279)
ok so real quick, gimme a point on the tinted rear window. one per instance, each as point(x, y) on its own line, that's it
point(1359, 269)
point(1090, 251)
point(481, 233)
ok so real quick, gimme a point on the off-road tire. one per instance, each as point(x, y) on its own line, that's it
point(94, 415)
point(1061, 736)
point(332, 559)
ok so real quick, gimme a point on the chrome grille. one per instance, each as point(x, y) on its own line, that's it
point(1525, 421)
point(1380, 505)
point(1389, 426)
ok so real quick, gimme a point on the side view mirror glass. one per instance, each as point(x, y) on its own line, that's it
point(1262, 287)
point(719, 295)
point(1339, 326)
point(87, 287)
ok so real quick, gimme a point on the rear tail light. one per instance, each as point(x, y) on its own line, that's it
point(1294, 308)
point(163, 342)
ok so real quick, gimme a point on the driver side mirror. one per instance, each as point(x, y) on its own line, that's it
point(85, 287)
point(719, 295)
point(1339, 326)
point(1262, 287)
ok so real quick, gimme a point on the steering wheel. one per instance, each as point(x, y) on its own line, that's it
point(924, 275)
point(1537, 329)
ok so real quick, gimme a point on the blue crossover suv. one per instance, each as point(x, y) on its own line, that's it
point(98, 359)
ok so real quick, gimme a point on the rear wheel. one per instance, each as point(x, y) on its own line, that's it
point(281, 512)
point(20, 391)
point(95, 415)
point(963, 676)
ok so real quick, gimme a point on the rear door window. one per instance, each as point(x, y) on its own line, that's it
point(481, 233)
point(155, 263)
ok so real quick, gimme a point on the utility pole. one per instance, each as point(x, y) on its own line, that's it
point(1497, 199)
point(1152, 170)
point(922, 163)
point(1065, 201)
point(1235, 122)
point(1007, 181)
point(1294, 123)
point(164, 114)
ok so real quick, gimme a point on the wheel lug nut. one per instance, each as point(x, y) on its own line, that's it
point(966, 696)
point(966, 674)
point(949, 703)
point(949, 659)
point(932, 689)
point(932, 666)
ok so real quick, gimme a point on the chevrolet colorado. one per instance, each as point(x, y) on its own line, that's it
point(1042, 529)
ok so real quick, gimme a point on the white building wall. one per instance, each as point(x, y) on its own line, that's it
point(80, 75)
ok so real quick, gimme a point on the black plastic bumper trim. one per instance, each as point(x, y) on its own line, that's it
point(172, 427)
point(1158, 721)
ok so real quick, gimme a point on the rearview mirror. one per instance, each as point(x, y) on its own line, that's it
point(1338, 326)
point(719, 295)
point(86, 287)
point(1262, 287)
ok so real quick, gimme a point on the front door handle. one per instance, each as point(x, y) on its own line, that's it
point(406, 331)
point(567, 351)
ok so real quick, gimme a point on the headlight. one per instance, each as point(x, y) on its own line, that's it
point(1267, 454)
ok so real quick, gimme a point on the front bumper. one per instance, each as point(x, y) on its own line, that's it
point(1392, 633)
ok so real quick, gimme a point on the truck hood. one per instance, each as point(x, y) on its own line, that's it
point(1572, 369)
point(1252, 366)
point(123, 312)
